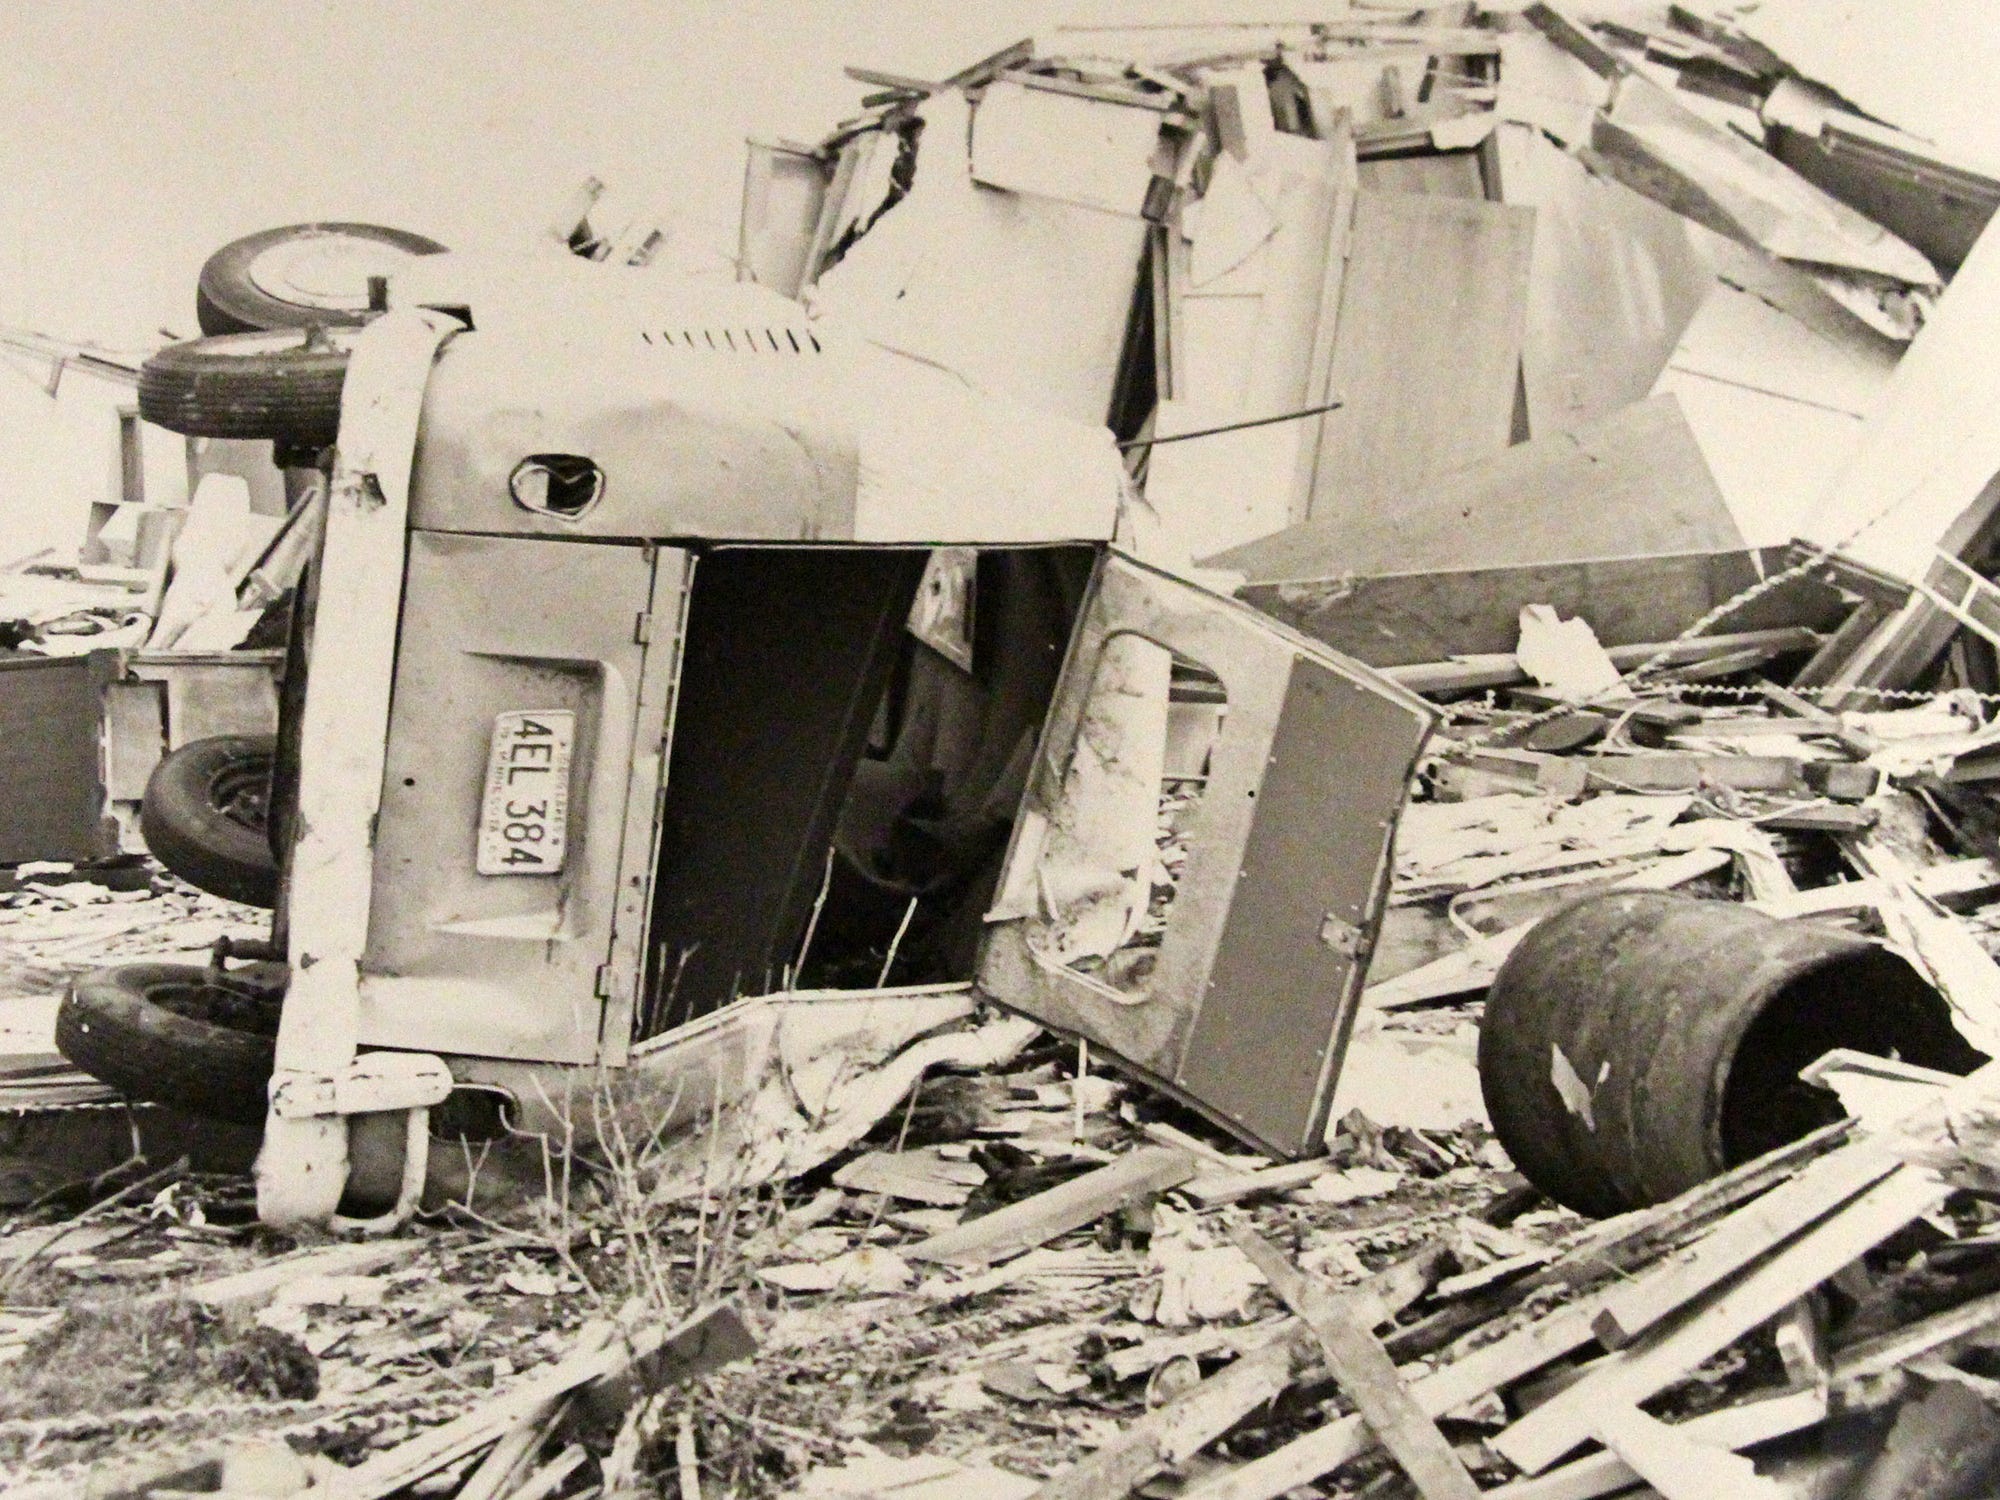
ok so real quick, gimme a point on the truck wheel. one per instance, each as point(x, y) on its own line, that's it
point(300, 276)
point(195, 1039)
point(204, 816)
point(273, 385)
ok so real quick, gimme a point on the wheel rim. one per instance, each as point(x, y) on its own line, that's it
point(241, 792)
point(328, 271)
point(220, 1000)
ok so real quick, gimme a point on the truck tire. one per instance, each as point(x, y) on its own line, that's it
point(300, 276)
point(274, 385)
point(205, 812)
point(194, 1039)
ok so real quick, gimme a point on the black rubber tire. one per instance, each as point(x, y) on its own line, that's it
point(228, 300)
point(205, 812)
point(277, 386)
point(177, 1035)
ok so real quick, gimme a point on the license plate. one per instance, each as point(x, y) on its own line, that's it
point(524, 819)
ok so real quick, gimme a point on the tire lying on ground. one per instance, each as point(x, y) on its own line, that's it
point(283, 386)
point(193, 1038)
point(204, 816)
point(300, 276)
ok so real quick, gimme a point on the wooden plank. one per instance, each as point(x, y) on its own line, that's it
point(1178, 1430)
point(1628, 1310)
point(1856, 1366)
point(1670, 1351)
point(248, 1290)
point(1334, 128)
point(1327, 1447)
point(670, 1355)
point(1632, 484)
point(1679, 1467)
point(1670, 771)
point(1499, 669)
point(1405, 619)
point(1035, 1221)
point(1428, 344)
point(1365, 1373)
point(1735, 1427)
point(1216, 1189)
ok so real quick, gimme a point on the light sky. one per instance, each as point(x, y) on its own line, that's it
point(138, 137)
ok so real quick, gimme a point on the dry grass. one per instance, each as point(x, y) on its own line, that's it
point(115, 1356)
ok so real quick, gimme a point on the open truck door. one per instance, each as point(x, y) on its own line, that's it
point(1202, 855)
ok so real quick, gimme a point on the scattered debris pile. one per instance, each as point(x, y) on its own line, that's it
point(1512, 356)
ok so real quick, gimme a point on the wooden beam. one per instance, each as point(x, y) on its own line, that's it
point(1733, 1427)
point(1178, 1430)
point(1344, 1439)
point(1215, 1189)
point(1497, 669)
point(1364, 1371)
point(1035, 1221)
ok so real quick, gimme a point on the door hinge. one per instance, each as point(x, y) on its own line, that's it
point(1344, 937)
point(602, 987)
point(642, 627)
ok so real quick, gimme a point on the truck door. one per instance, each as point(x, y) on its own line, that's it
point(1199, 865)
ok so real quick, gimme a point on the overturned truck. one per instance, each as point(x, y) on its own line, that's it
point(668, 650)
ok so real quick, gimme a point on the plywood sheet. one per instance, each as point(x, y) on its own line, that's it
point(1269, 235)
point(1773, 456)
point(1631, 484)
point(1063, 146)
point(1218, 490)
point(1741, 338)
point(1312, 182)
point(1428, 345)
point(1613, 282)
point(1018, 293)
point(1451, 174)
point(1921, 474)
